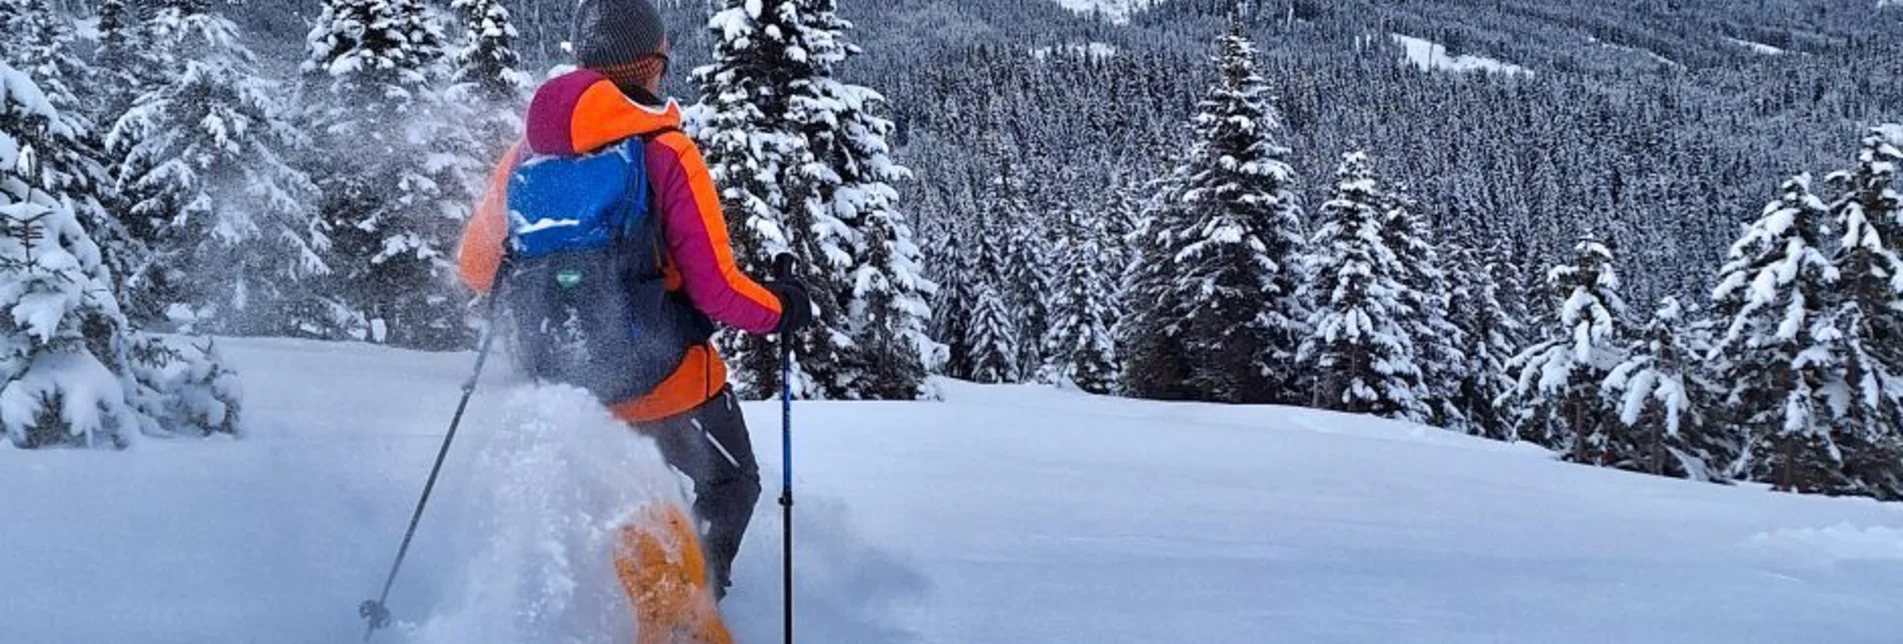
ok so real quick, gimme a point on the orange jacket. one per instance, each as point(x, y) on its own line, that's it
point(581, 113)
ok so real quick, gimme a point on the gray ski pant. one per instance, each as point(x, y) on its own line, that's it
point(710, 445)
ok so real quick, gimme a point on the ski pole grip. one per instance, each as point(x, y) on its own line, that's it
point(783, 267)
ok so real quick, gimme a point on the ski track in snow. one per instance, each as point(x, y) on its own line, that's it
point(1005, 514)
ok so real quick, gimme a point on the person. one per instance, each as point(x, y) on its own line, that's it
point(613, 98)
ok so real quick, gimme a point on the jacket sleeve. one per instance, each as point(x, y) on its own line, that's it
point(697, 239)
point(481, 252)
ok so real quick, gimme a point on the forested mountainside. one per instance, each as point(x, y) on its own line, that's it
point(1660, 124)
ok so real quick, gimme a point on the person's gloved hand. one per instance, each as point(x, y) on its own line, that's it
point(796, 307)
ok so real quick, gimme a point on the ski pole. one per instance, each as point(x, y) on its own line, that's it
point(783, 271)
point(373, 610)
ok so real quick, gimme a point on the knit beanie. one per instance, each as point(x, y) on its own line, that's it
point(624, 40)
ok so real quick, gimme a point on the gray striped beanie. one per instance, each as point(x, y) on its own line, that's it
point(611, 33)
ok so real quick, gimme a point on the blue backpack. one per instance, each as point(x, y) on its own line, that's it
point(585, 286)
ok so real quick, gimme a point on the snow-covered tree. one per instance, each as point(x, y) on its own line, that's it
point(41, 44)
point(1362, 353)
point(75, 371)
point(958, 284)
point(1784, 353)
point(1156, 361)
point(1027, 240)
point(62, 335)
point(124, 62)
point(235, 232)
point(1662, 398)
point(1561, 377)
point(1080, 345)
point(1491, 322)
point(487, 58)
point(1217, 315)
point(992, 329)
point(489, 83)
point(1869, 212)
point(805, 168)
point(398, 168)
point(1427, 296)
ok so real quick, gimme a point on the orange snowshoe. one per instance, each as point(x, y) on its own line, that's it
point(664, 572)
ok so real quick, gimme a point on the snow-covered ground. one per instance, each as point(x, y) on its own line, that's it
point(1091, 50)
point(1117, 11)
point(1429, 55)
point(1757, 47)
point(1005, 514)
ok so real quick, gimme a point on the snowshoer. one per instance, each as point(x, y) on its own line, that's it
point(605, 154)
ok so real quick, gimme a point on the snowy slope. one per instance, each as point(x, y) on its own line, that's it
point(1116, 10)
point(1758, 47)
point(1091, 50)
point(1430, 55)
point(1007, 514)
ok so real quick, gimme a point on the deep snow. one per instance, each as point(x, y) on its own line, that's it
point(1005, 514)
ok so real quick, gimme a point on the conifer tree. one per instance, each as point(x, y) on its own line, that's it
point(993, 331)
point(1492, 324)
point(805, 167)
point(76, 372)
point(1561, 377)
point(1361, 354)
point(1219, 317)
point(957, 295)
point(235, 236)
point(1427, 295)
point(489, 83)
point(398, 169)
point(1080, 342)
point(1157, 364)
point(487, 58)
point(46, 52)
point(125, 63)
point(1027, 243)
point(1784, 353)
point(1869, 212)
point(1662, 400)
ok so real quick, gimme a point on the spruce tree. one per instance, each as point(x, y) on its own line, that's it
point(1220, 308)
point(236, 237)
point(1029, 267)
point(1362, 354)
point(993, 330)
point(1156, 359)
point(1426, 296)
point(487, 58)
point(1869, 212)
point(805, 168)
point(1491, 323)
point(1080, 345)
point(1561, 377)
point(398, 169)
point(1784, 354)
point(489, 83)
point(77, 168)
point(957, 295)
point(76, 372)
point(125, 63)
point(1662, 400)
